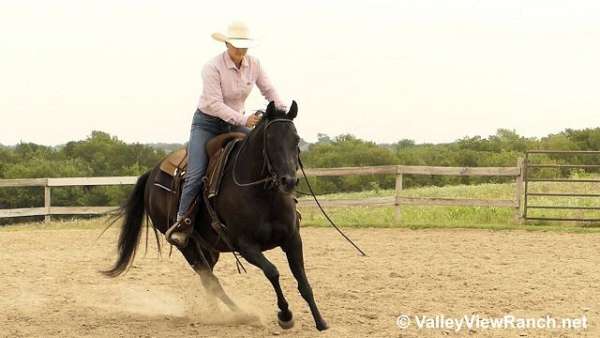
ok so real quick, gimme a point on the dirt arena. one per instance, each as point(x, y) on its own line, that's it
point(49, 285)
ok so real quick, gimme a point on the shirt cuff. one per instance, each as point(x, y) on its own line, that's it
point(244, 120)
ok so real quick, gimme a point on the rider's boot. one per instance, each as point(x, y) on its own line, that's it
point(179, 233)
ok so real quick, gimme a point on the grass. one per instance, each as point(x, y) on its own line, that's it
point(421, 217)
point(418, 217)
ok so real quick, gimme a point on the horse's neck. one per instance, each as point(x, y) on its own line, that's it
point(251, 161)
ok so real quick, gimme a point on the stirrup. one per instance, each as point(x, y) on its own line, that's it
point(182, 226)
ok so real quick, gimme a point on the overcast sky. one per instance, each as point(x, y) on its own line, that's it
point(432, 71)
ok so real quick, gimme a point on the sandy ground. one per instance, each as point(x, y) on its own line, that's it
point(49, 285)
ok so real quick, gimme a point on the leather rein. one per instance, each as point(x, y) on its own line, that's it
point(272, 179)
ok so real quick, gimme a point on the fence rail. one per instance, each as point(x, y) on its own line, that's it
point(397, 200)
point(527, 167)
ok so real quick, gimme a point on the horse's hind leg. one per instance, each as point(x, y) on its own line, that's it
point(293, 250)
point(255, 257)
point(209, 280)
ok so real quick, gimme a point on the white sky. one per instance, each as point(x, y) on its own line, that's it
point(432, 71)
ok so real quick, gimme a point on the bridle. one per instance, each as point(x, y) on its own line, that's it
point(272, 179)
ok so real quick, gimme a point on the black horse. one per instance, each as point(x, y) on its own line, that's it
point(258, 217)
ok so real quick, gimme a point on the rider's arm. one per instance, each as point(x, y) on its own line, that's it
point(212, 102)
point(266, 88)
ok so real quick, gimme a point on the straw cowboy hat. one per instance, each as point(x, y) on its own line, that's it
point(238, 35)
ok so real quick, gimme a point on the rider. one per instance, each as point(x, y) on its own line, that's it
point(227, 81)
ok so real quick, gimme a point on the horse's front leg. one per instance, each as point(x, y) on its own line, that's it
point(293, 250)
point(255, 257)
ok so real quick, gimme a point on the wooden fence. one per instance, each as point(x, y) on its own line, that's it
point(398, 170)
point(529, 167)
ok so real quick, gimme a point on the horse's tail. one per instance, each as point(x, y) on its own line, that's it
point(133, 211)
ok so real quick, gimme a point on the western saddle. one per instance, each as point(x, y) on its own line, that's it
point(173, 169)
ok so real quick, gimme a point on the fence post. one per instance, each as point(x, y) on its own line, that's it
point(518, 216)
point(47, 196)
point(525, 173)
point(398, 211)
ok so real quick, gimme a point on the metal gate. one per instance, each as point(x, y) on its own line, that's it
point(529, 168)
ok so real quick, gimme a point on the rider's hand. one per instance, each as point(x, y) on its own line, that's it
point(252, 121)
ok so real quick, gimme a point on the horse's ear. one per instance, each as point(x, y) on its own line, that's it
point(270, 109)
point(293, 111)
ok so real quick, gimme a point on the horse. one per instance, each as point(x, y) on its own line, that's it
point(256, 205)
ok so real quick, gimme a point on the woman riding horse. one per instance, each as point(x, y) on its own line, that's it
point(228, 80)
point(255, 211)
point(255, 207)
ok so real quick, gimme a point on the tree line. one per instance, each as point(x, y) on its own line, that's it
point(101, 154)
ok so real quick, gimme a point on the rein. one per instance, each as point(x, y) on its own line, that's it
point(273, 178)
point(323, 211)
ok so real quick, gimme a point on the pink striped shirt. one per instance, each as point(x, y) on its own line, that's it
point(226, 88)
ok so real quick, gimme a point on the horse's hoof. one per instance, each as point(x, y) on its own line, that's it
point(322, 326)
point(285, 324)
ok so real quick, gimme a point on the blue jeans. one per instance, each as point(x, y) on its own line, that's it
point(204, 127)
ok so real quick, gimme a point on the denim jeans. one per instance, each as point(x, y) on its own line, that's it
point(204, 127)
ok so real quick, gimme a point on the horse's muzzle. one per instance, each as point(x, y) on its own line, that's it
point(288, 183)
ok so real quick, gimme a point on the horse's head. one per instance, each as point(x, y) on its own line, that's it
point(281, 149)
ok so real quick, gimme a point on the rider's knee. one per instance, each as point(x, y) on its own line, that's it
point(195, 175)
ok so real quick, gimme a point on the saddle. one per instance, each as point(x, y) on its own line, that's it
point(218, 150)
point(174, 166)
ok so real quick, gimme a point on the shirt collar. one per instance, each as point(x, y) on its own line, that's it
point(229, 63)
